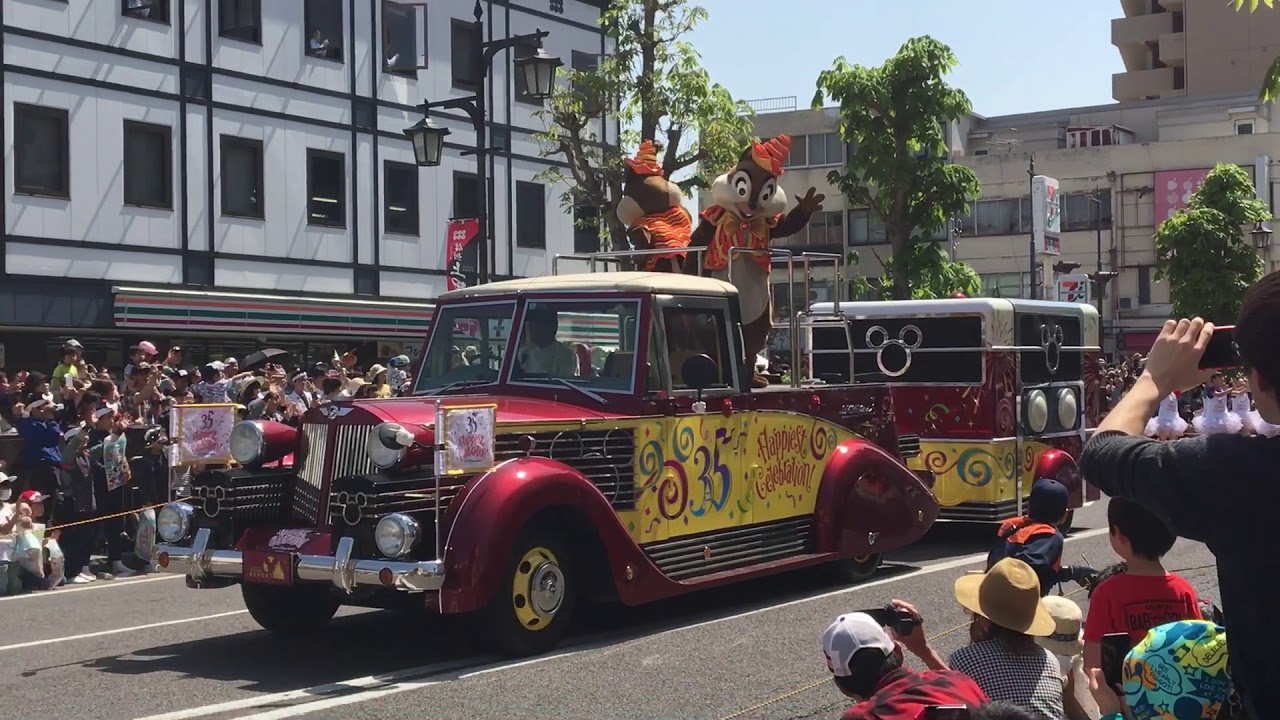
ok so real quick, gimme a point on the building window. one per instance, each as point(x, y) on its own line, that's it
point(154, 10)
point(242, 184)
point(1005, 285)
point(400, 198)
point(367, 281)
point(240, 19)
point(581, 62)
point(863, 230)
point(799, 156)
point(522, 87)
point(41, 157)
point(1079, 213)
point(1180, 78)
point(466, 196)
point(464, 56)
point(1244, 127)
point(1144, 284)
point(323, 22)
point(826, 231)
point(400, 38)
point(586, 229)
point(326, 188)
point(981, 152)
point(997, 217)
point(825, 149)
point(148, 165)
point(531, 215)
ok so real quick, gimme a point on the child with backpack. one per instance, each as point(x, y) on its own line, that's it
point(1036, 539)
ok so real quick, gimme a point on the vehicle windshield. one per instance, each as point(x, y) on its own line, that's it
point(468, 345)
point(588, 343)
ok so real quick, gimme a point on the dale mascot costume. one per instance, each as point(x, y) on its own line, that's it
point(747, 211)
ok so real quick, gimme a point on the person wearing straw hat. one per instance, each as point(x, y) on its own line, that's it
point(1004, 659)
point(1067, 645)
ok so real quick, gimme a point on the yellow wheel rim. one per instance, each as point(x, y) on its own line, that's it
point(537, 588)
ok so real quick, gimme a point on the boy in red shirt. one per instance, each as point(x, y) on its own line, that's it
point(1145, 595)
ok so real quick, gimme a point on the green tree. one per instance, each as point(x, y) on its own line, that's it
point(1203, 250)
point(935, 275)
point(893, 117)
point(655, 85)
point(1271, 81)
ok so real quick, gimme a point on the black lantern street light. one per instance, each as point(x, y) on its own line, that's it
point(1261, 235)
point(539, 73)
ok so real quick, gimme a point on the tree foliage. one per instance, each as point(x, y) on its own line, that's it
point(893, 117)
point(935, 275)
point(1204, 251)
point(1271, 81)
point(656, 88)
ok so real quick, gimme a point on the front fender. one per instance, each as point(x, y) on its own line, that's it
point(869, 503)
point(1059, 465)
point(496, 509)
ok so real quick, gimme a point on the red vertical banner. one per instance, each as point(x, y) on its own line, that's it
point(461, 263)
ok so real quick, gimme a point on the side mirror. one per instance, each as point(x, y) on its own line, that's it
point(699, 372)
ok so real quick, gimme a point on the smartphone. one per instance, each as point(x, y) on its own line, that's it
point(1221, 352)
point(946, 712)
point(895, 618)
point(1115, 646)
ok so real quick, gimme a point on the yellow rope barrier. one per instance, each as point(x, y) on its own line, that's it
point(124, 513)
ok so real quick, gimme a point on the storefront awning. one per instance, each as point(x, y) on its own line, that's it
point(191, 310)
point(1140, 341)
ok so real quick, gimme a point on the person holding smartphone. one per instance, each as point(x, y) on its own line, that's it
point(1221, 489)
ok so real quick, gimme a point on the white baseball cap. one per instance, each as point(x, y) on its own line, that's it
point(849, 634)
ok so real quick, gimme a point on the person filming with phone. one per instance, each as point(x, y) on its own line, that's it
point(864, 651)
point(1220, 489)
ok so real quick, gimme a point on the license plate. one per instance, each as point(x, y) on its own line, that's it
point(267, 568)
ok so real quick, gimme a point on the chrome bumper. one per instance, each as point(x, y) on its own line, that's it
point(199, 562)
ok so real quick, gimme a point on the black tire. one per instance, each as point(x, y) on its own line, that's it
point(854, 570)
point(518, 622)
point(289, 611)
point(1065, 525)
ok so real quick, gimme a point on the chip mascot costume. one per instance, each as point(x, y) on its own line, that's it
point(652, 208)
point(747, 211)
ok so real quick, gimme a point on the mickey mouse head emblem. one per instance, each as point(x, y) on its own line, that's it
point(893, 355)
point(353, 505)
point(1051, 340)
point(213, 498)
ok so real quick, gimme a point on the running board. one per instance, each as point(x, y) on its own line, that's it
point(686, 558)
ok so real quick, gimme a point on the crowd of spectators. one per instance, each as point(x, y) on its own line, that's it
point(94, 447)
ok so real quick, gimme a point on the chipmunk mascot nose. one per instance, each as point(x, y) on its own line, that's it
point(652, 209)
point(748, 212)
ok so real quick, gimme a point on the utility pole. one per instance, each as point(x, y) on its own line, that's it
point(1031, 245)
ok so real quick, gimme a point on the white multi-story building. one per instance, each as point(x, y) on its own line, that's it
point(226, 174)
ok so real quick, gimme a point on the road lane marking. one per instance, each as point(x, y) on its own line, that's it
point(96, 585)
point(418, 678)
point(103, 633)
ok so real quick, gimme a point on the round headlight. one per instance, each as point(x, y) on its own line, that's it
point(396, 535)
point(384, 446)
point(1035, 409)
point(248, 442)
point(1068, 409)
point(173, 522)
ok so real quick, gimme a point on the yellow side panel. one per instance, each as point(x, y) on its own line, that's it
point(973, 471)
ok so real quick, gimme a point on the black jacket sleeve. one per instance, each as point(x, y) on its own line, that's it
point(1184, 482)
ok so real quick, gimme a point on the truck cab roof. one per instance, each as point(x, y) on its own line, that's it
point(644, 282)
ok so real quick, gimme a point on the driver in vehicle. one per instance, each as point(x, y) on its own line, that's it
point(542, 353)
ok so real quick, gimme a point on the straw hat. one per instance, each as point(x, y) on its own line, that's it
point(1067, 618)
point(1008, 595)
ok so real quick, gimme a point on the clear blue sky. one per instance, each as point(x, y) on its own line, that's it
point(1015, 55)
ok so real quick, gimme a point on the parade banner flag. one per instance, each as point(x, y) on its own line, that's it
point(466, 436)
point(202, 433)
point(460, 254)
point(1074, 288)
point(1046, 215)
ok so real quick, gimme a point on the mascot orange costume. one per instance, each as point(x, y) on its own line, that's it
point(652, 209)
point(748, 212)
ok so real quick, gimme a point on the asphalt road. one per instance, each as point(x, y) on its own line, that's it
point(150, 648)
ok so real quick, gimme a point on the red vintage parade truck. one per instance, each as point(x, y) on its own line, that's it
point(516, 487)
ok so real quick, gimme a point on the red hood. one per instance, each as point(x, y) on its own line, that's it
point(511, 410)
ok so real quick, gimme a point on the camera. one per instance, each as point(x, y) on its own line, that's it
point(899, 620)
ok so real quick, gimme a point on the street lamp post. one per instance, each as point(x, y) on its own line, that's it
point(1031, 244)
point(539, 71)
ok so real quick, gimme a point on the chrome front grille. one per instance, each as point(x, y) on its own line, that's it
point(350, 457)
point(605, 457)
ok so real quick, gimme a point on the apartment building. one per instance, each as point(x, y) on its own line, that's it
point(1140, 161)
point(1191, 48)
point(227, 174)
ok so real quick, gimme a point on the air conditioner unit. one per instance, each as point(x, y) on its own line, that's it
point(1128, 303)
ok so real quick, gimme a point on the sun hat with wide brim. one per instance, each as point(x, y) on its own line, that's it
point(1008, 595)
point(1067, 639)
